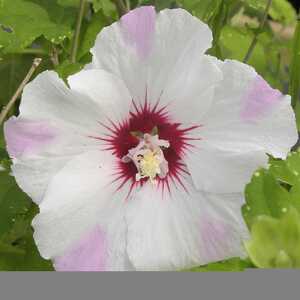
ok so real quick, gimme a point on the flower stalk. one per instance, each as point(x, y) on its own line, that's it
point(77, 31)
point(7, 108)
point(255, 38)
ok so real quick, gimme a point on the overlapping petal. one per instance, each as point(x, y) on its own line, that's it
point(81, 202)
point(181, 230)
point(56, 123)
point(160, 57)
point(247, 120)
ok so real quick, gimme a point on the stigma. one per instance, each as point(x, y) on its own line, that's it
point(148, 158)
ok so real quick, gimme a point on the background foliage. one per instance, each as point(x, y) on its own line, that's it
point(46, 29)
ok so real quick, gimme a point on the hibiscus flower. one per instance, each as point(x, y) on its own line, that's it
point(141, 161)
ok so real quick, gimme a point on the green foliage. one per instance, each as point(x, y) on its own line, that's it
point(13, 69)
point(17, 248)
point(275, 243)
point(24, 21)
point(230, 265)
point(280, 10)
point(294, 88)
point(272, 213)
point(97, 22)
point(274, 191)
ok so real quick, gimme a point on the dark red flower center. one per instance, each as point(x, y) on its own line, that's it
point(120, 138)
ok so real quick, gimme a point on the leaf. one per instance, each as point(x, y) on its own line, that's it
point(203, 9)
point(287, 171)
point(13, 69)
point(17, 248)
point(236, 41)
point(294, 87)
point(98, 21)
point(67, 68)
point(69, 3)
point(28, 20)
point(280, 10)
point(272, 192)
point(233, 265)
point(107, 6)
point(13, 202)
point(275, 243)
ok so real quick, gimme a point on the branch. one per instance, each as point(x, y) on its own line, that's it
point(255, 38)
point(12, 101)
point(77, 31)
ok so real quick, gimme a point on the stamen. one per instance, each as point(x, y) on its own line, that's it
point(148, 158)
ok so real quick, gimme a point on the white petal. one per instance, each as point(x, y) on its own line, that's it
point(48, 98)
point(105, 89)
point(79, 198)
point(220, 171)
point(190, 89)
point(246, 120)
point(183, 230)
point(147, 51)
point(56, 123)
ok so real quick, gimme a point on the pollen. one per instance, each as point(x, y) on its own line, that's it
point(149, 166)
point(148, 157)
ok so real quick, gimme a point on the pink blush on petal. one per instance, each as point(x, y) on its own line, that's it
point(27, 137)
point(88, 255)
point(214, 233)
point(138, 28)
point(259, 100)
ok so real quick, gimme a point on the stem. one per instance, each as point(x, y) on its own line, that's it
point(77, 31)
point(255, 38)
point(127, 5)
point(7, 108)
point(121, 7)
point(294, 85)
point(54, 56)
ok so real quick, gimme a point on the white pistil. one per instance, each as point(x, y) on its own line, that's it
point(148, 158)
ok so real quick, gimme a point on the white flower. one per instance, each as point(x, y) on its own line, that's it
point(142, 162)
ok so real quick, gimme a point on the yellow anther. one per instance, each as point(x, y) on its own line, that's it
point(150, 165)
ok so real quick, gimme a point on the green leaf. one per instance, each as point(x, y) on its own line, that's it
point(272, 192)
point(233, 265)
point(275, 243)
point(235, 43)
point(13, 69)
point(67, 68)
point(107, 6)
point(294, 88)
point(203, 9)
point(69, 3)
point(13, 202)
point(27, 20)
point(17, 248)
point(287, 171)
point(97, 22)
point(280, 10)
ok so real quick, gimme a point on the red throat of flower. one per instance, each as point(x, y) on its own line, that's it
point(148, 145)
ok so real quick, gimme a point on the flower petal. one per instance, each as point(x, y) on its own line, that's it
point(246, 120)
point(145, 51)
point(105, 89)
point(182, 230)
point(80, 199)
point(88, 255)
point(57, 123)
point(24, 136)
